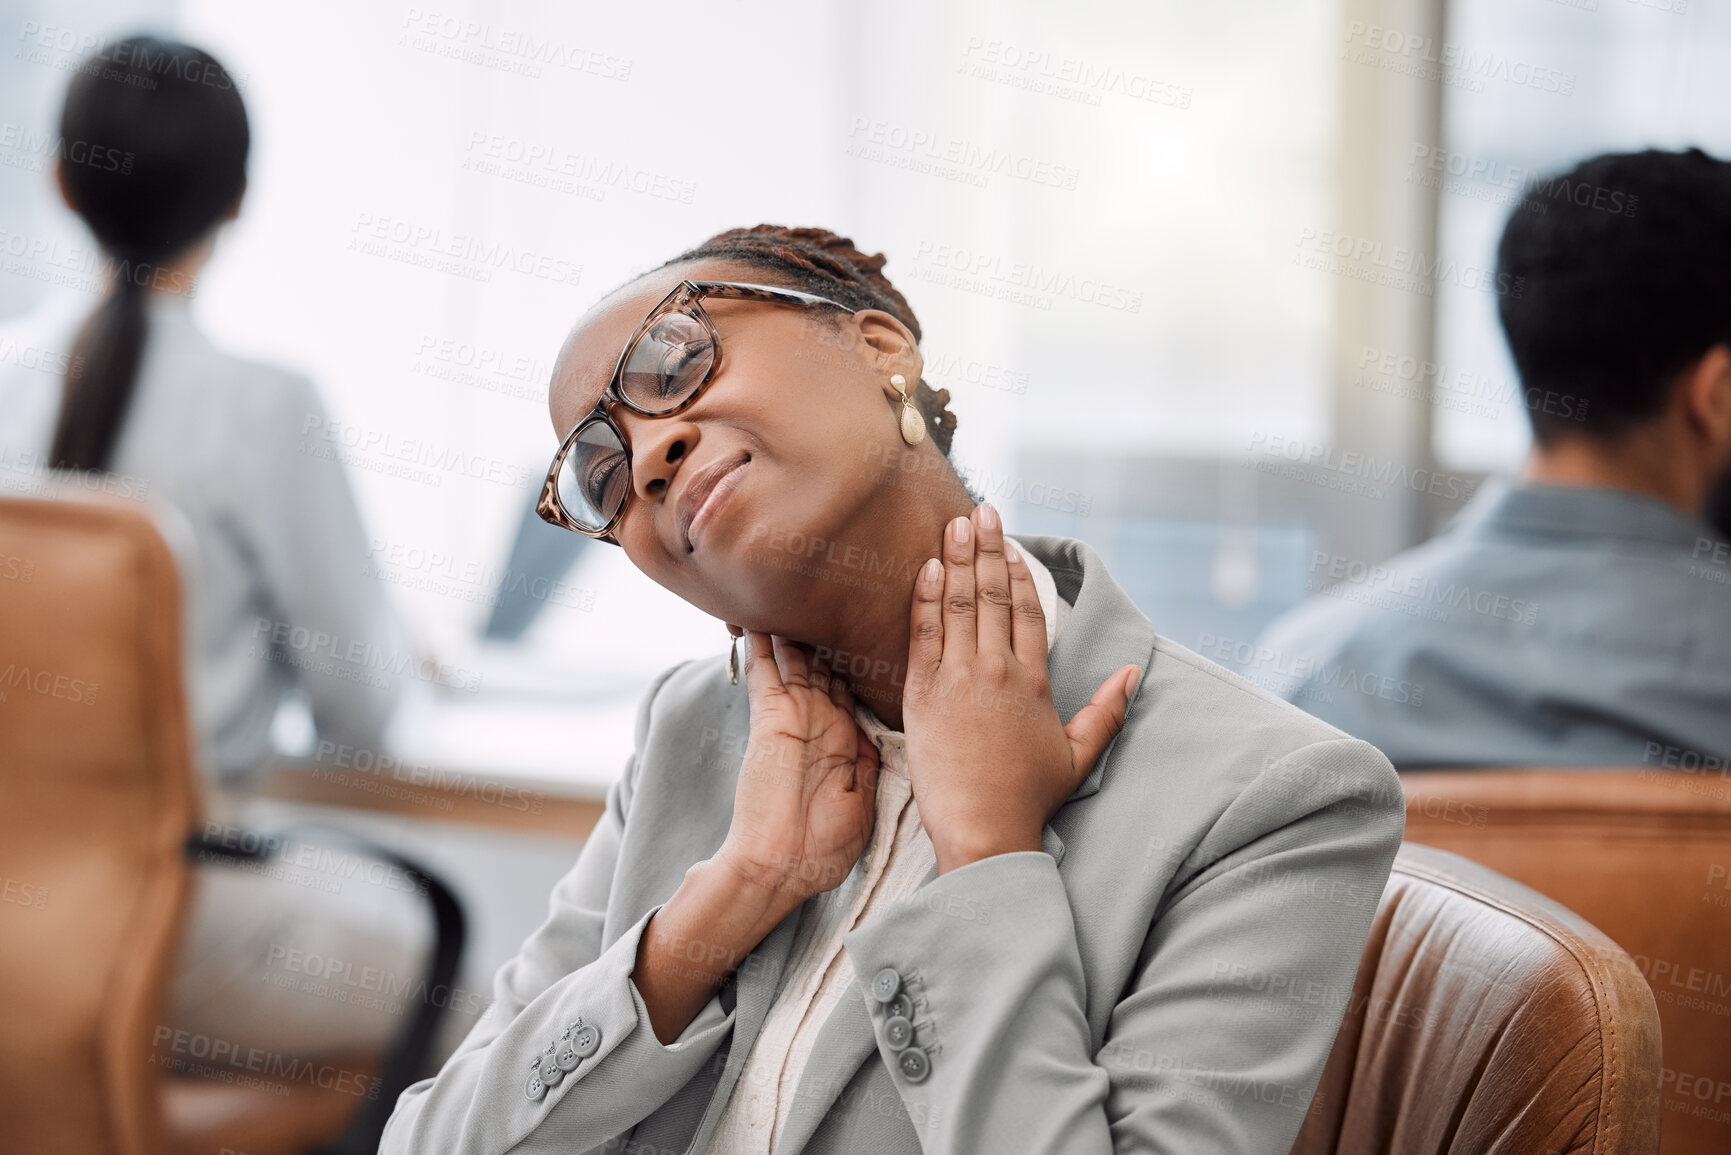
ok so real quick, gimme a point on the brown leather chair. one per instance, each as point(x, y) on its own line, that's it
point(1487, 1020)
point(101, 806)
point(1645, 855)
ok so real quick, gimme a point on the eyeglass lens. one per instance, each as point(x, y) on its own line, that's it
point(661, 370)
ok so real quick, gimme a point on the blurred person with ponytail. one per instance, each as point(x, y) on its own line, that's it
point(967, 858)
point(130, 397)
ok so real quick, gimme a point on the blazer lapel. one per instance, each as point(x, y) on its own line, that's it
point(845, 1040)
point(1104, 631)
point(755, 984)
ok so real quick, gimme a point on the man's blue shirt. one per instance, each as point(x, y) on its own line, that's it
point(1546, 626)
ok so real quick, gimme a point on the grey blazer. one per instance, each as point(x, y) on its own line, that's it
point(1168, 974)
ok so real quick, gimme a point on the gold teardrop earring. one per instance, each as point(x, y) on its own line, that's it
point(913, 425)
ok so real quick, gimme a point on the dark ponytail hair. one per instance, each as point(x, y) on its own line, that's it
point(163, 136)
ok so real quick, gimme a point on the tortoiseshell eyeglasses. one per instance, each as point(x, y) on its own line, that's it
point(662, 370)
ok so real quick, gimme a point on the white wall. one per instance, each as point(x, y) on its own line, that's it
point(1146, 167)
point(1639, 74)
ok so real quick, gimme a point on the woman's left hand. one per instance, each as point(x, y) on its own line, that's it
point(989, 760)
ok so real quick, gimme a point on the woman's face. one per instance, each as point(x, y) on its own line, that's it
point(799, 407)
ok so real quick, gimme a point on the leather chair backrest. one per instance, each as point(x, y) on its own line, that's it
point(1487, 1020)
point(98, 799)
point(1645, 856)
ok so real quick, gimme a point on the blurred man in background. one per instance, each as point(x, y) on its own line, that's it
point(1579, 615)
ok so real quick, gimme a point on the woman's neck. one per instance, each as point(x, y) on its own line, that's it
point(869, 646)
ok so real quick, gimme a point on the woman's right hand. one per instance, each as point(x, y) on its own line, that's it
point(804, 807)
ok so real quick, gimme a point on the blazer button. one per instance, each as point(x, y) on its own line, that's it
point(900, 1007)
point(586, 1040)
point(535, 1089)
point(898, 1032)
point(887, 985)
point(566, 1059)
point(550, 1073)
point(914, 1065)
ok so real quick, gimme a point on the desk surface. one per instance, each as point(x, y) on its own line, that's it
point(547, 732)
point(518, 761)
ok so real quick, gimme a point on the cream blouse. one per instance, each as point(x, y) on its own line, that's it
point(820, 974)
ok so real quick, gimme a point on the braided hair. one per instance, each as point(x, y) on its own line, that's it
point(818, 261)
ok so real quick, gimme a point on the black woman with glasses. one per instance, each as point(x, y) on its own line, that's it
point(969, 859)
